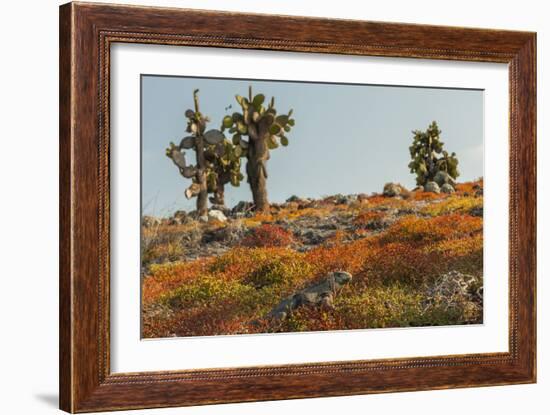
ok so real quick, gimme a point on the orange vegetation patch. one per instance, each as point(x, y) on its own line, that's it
point(289, 213)
point(169, 276)
point(258, 219)
point(457, 247)
point(400, 261)
point(369, 218)
point(414, 229)
point(469, 187)
point(349, 257)
point(454, 203)
point(388, 202)
point(419, 195)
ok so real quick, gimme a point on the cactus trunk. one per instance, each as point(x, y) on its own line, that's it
point(219, 195)
point(202, 197)
point(257, 174)
point(266, 131)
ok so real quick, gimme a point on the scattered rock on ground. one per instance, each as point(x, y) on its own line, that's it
point(230, 234)
point(222, 208)
point(223, 228)
point(362, 197)
point(339, 199)
point(477, 211)
point(393, 190)
point(447, 188)
point(478, 190)
point(216, 215)
point(179, 217)
point(442, 178)
point(297, 202)
point(379, 223)
point(242, 209)
point(315, 236)
point(432, 187)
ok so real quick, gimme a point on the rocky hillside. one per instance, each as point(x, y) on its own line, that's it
point(400, 258)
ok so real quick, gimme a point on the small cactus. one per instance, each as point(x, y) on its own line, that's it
point(223, 166)
point(429, 158)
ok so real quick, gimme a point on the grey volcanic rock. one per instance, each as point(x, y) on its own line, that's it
point(393, 190)
point(432, 187)
point(228, 235)
point(315, 236)
point(442, 178)
point(447, 188)
point(179, 217)
point(379, 223)
point(362, 197)
point(242, 209)
point(477, 211)
point(222, 208)
point(217, 215)
point(297, 202)
point(312, 231)
point(339, 199)
point(321, 294)
point(293, 198)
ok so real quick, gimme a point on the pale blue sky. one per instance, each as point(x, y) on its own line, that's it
point(347, 138)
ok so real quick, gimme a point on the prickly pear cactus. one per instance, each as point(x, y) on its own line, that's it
point(257, 130)
point(428, 156)
point(210, 149)
point(223, 166)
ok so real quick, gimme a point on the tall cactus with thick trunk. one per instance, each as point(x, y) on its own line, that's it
point(264, 131)
point(201, 142)
point(428, 156)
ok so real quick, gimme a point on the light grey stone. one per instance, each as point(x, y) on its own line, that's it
point(432, 187)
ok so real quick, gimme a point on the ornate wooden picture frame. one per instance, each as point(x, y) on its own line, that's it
point(87, 32)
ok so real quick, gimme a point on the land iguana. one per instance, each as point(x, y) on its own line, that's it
point(321, 294)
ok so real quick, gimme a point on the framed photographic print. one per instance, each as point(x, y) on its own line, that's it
point(259, 207)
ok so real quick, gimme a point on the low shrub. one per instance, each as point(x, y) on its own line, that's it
point(453, 204)
point(403, 262)
point(267, 235)
point(469, 187)
point(349, 257)
point(205, 290)
point(281, 272)
point(371, 220)
point(168, 276)
point(416, 229)
point(422, 195)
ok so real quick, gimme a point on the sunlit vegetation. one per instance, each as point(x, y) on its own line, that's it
point(395, 248)
point(268, 235)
